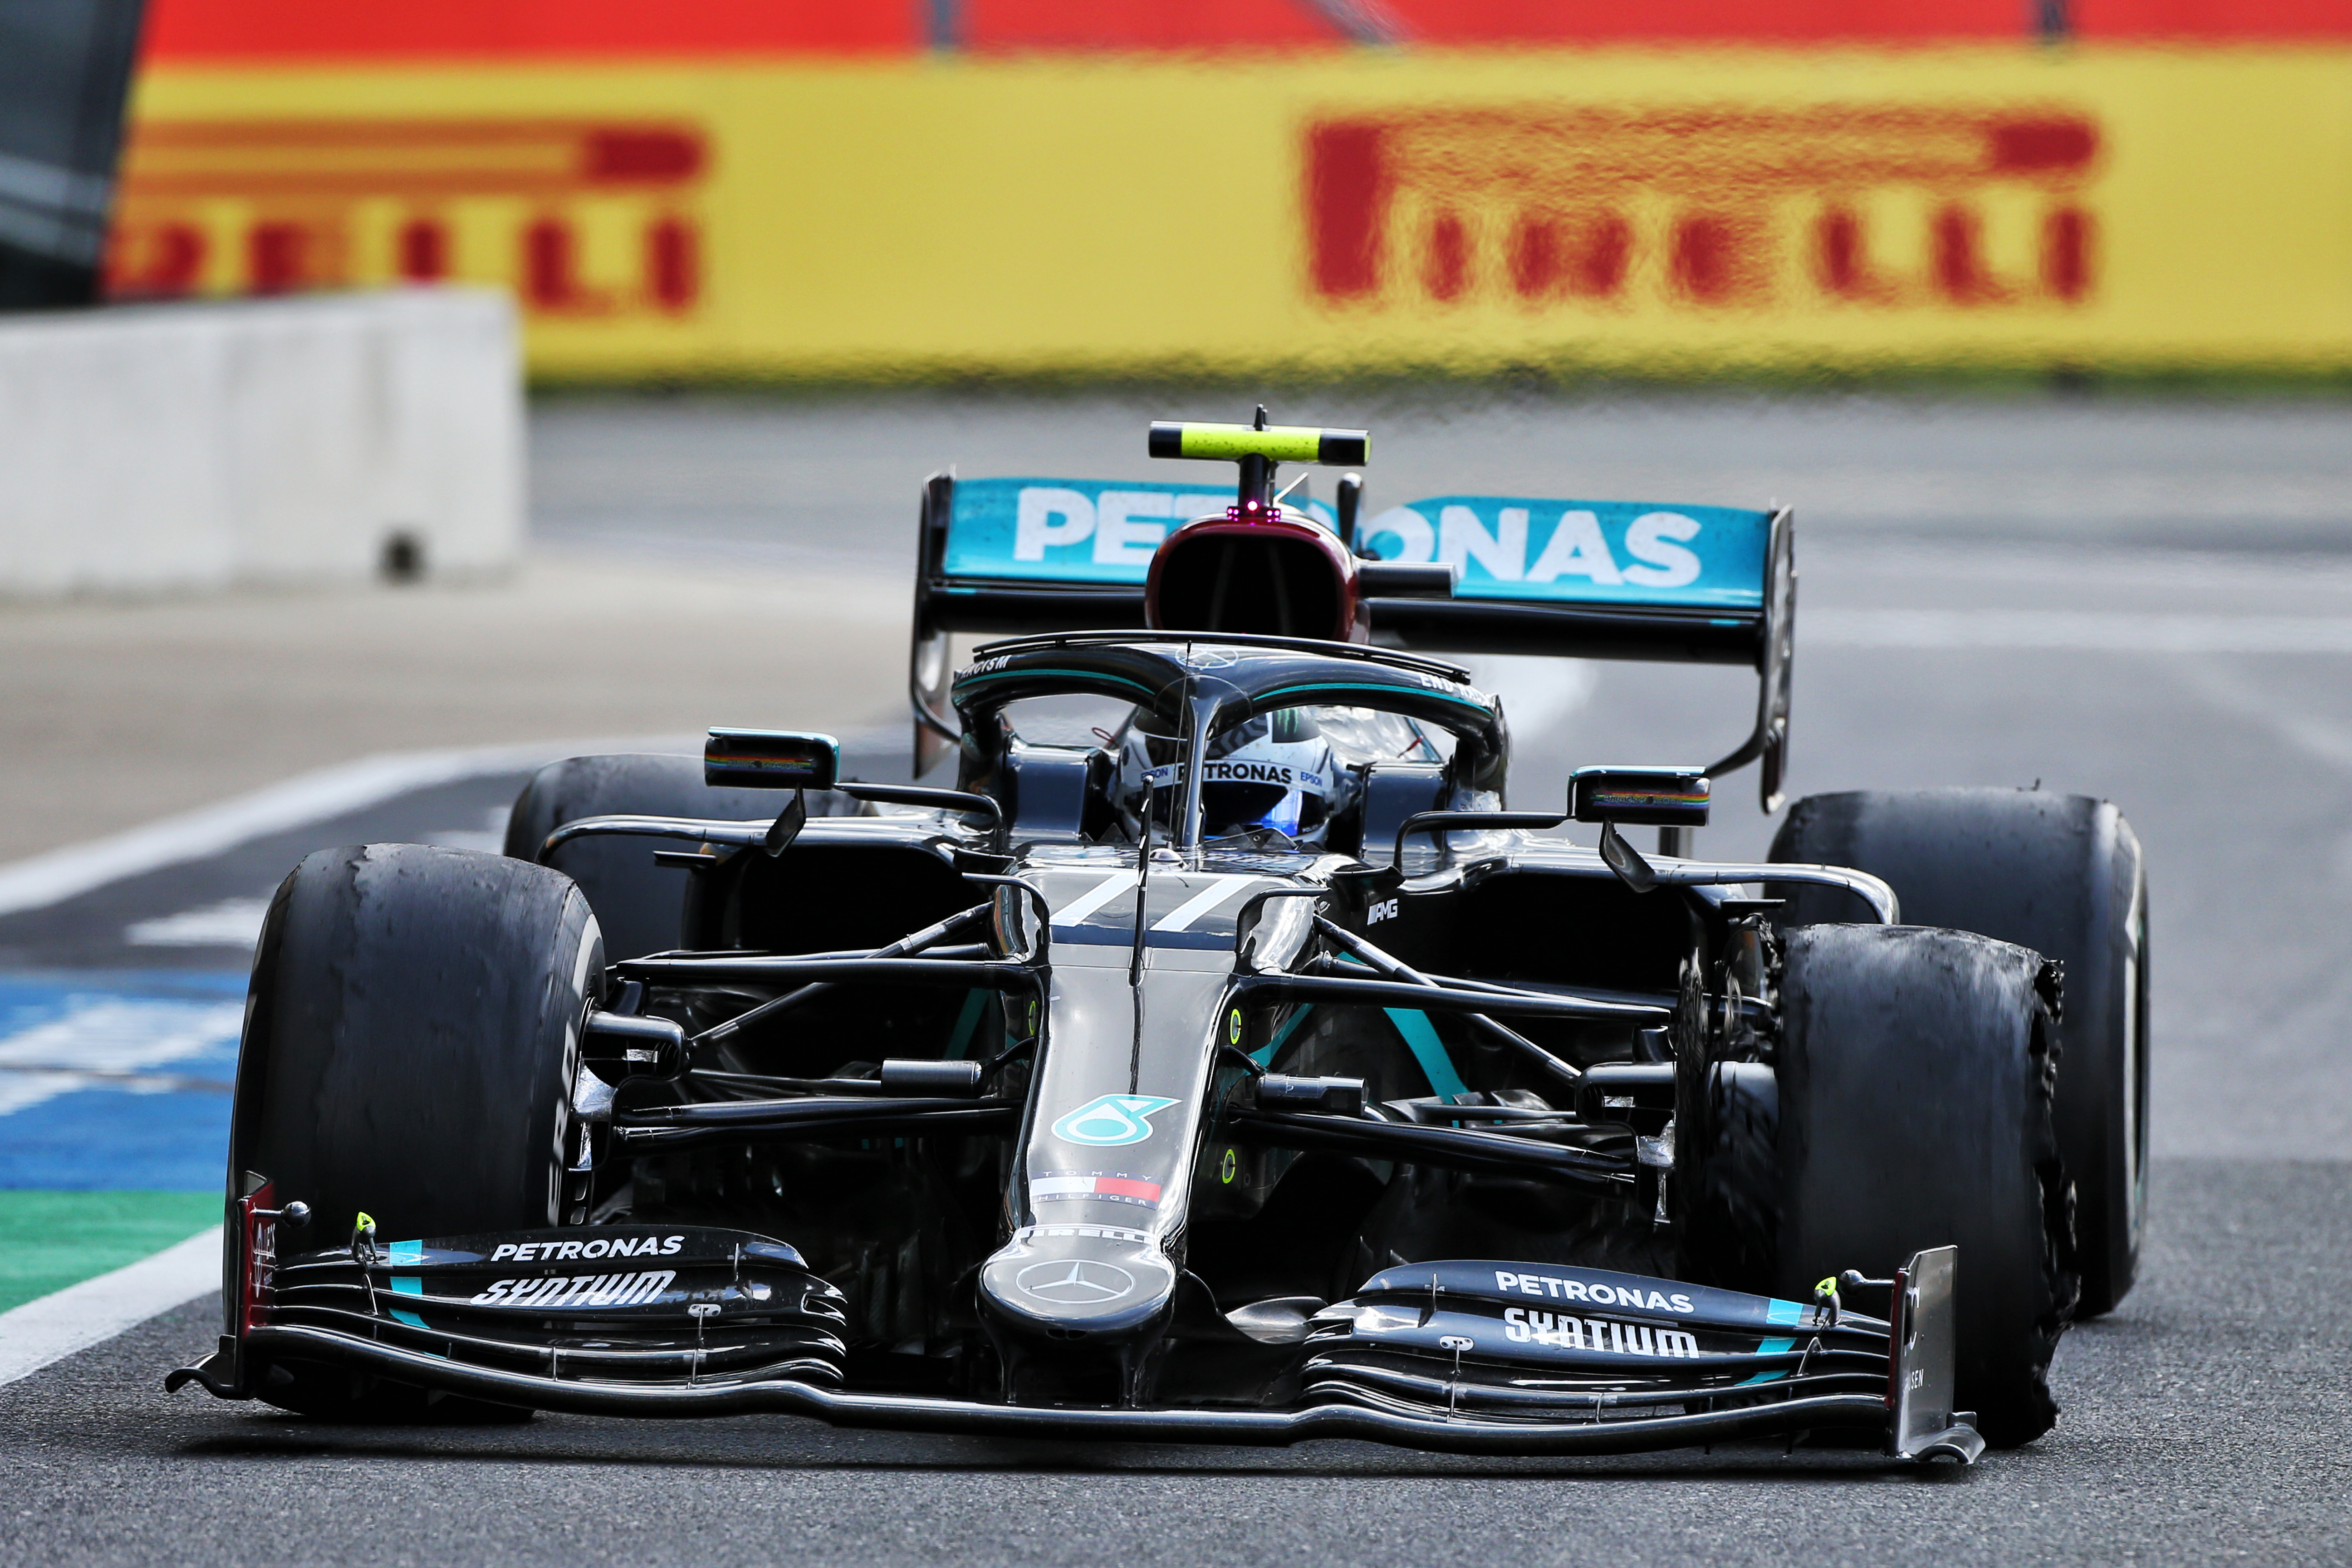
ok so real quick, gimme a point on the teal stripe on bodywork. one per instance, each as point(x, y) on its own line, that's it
point(967, 1023)
point(402, 1252)
point(1373, 685)
point(1777, 1311)
point(1421, 1039)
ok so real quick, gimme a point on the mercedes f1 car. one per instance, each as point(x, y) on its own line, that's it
point(1219, 1056)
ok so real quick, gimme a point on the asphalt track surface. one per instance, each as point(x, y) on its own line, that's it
point(2204, 1423)
point(2121, 600)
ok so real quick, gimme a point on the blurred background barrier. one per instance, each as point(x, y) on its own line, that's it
point(204, 445)
point(1336, 187)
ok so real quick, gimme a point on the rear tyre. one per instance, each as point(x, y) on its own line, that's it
point(640, 905)
point(2060, 874)
point(411, 1038)
point(1913, 1089)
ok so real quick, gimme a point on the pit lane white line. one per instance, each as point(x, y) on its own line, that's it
point(101, 1041)
point(79, 1316)
point(231, 922)
point(2098, 631)
point(60, 874)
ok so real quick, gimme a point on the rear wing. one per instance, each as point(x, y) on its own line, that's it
point(1572, 578)
point(1699, 585)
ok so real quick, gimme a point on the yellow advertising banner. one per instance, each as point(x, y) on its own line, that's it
point(1626, 209)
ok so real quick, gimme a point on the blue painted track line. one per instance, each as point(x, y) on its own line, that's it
point(117, 1081)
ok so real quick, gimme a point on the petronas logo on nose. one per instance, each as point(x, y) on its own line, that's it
point(1110, 1120)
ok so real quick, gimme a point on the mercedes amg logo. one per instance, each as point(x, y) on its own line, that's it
point(1076, 1282)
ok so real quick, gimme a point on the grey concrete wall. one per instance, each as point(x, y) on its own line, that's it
point(168, 448)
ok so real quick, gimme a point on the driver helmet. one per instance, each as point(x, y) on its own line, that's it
point(1276, 772)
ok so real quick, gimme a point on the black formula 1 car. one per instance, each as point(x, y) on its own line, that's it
point(1219, 1059)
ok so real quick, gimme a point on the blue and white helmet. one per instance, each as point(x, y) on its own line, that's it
point(1275, 772)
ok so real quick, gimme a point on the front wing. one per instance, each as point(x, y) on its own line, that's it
point(1451, 1357)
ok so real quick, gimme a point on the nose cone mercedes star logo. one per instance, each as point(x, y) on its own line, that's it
point(1076, 1282)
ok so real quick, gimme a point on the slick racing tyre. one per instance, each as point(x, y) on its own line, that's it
point(1913, 1080)
point(640, 905)
point(411, 1038)
point(2062, 875)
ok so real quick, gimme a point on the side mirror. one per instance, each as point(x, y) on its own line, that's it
point(1669, 797)
point(771, 759)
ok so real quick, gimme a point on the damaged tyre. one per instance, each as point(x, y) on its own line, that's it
point(2064, 875)
point(1913, 1096)
point(411, 1037)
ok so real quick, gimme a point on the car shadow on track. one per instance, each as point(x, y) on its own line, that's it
point(571, 1442)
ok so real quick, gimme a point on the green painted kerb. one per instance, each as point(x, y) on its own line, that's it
point(51, 1240)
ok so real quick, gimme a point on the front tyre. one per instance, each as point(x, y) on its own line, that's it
point(2064, 875)
point(1914, 1088)
point(412, 1034)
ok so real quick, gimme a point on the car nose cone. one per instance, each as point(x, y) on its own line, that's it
point(1058, 1282)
